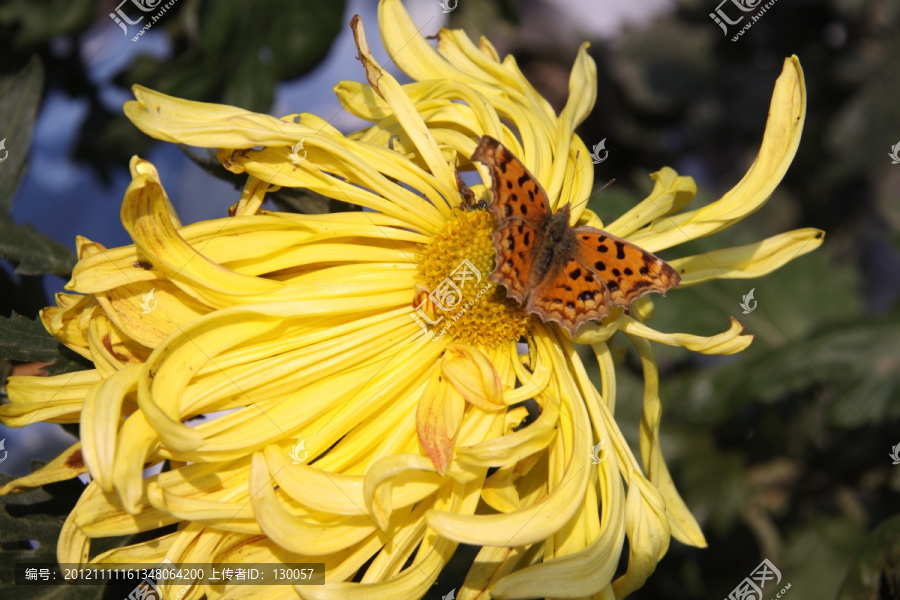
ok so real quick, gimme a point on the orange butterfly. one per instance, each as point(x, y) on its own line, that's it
point(561, 273)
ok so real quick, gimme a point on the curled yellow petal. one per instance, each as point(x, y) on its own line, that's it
point(752, 260)
point(787, 112)
point(539, 520)
point(438, 416)
point(393, 471)
point(473, 375)
point(389, 89)
point(727, 342)
point(683, 525)
point(69, 464)
point(670, 193)
point(100, 423)
point(293, 533)
point(648, 534)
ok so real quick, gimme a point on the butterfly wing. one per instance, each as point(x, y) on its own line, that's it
point(628, 271)
point(521, 209)
point(570, 295)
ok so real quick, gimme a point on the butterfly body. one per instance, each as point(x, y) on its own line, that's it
point(558, 240)
point(561, 273)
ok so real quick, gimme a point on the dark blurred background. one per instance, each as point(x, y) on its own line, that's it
point(782, 452)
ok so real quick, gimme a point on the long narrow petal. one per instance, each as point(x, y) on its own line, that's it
point(752, 260)
point(683, 525)
point(727, 342)
point(787, 112)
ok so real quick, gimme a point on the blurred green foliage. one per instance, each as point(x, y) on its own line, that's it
point(227, 52)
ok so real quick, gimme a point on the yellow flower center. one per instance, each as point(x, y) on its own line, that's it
point(458, 297)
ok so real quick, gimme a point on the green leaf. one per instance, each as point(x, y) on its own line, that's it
point(33, 23)
point(857, 360)
point(240, 51)
point(876, 572)
point(33, 252)
point(822, 542)
point(25, 340)
point(20, 97)
point(35, 518)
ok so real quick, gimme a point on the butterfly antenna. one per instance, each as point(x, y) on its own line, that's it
point(608, 183)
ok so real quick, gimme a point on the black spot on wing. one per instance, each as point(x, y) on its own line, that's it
point(620, 250)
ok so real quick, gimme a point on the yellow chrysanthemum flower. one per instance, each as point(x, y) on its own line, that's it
point(356, 431)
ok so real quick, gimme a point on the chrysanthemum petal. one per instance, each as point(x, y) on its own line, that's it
point(542, 518)
point(683, 525)
point(582, 95)
point(386, 473)
point(69, 464)
point(438, 416)
point(293, 533)
point(671, 192)
point(752, 260)
point(100, 420)
point(473, 375)
point(581, 574)
point(727, 342)
point(787, 112)
point(648, 534)
point(490, 565)
point(392, 92)
point(410, 50)
point(55, 399)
